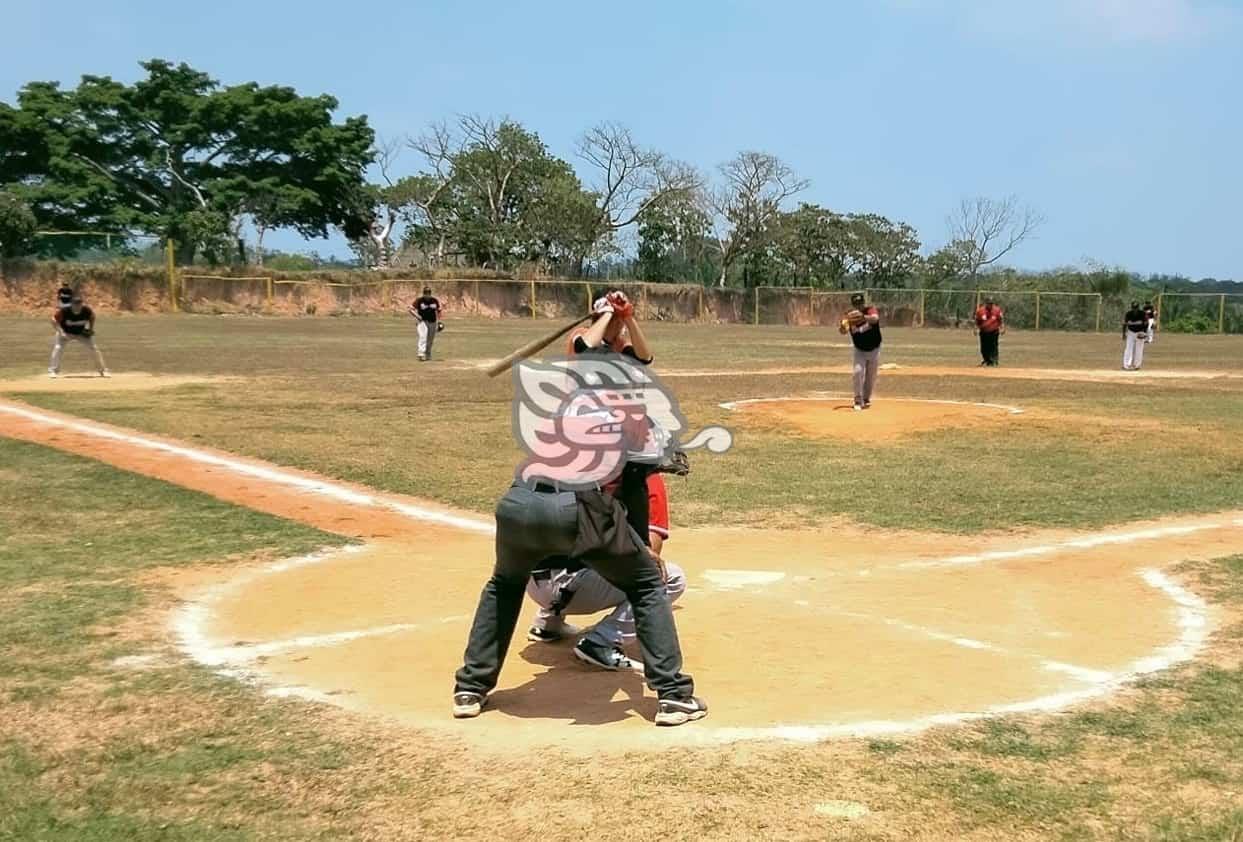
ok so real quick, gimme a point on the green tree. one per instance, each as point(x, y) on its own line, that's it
point(177, 155)
point(17, 226)
point(675, 242)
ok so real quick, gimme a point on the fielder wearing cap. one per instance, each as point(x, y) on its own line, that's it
point(426, 308)
point(74, 323)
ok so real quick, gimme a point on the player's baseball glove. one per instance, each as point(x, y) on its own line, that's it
point(855, 318)
point(87, 332)
point(440, 326)
point(675, 462)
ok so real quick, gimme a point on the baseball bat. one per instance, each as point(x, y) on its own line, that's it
point(533, 347)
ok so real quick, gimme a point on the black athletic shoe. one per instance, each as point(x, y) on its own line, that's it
point(468, 705)
point(604, 657)
point(680, 711)
point(538, 635)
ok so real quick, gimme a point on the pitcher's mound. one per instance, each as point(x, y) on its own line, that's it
point(836, 417)
point(130, 381)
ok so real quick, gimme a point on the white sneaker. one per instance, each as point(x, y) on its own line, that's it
point(105, 373)
point(53, 374)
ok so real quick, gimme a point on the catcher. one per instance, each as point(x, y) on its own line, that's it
point(862, 322)
point(75, 322)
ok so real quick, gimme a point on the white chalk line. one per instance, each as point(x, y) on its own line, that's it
point(322, 488)
point(821, 396)
point(191, 618)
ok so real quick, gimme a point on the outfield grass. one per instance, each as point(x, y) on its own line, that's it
point(94, 749)
point(343, 396)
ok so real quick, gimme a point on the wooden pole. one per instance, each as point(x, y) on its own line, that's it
point(1221, 314)
point(756, 319)
point(269, 286)
point(1037, 309)
point(478, 306)
point(702, 312)
point(923, 313)
point(532, 298)
point(170, 249)
point(1100, 300)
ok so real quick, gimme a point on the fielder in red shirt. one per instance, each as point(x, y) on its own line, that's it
point(990, 323)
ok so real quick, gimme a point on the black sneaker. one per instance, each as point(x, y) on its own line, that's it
point(680, 711)
point(604, 657)
point(537, 635)
point(468, 705)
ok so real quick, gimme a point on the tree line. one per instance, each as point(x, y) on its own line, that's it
point(176, 155)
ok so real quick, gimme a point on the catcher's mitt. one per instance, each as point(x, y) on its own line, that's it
point(675, 462)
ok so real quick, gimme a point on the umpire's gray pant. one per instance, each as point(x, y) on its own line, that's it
point(866, 364)
point(58, 350)
point(593, 593)
point(427, 335)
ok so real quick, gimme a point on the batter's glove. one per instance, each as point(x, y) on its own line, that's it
point(622, 308)
point(440, 326)
point(675, 462)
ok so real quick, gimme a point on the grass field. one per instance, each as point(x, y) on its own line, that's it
point(109, 734)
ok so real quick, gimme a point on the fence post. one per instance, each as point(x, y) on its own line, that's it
point(703, 314)
point(1100, 300)
point(645, 310)
point(532, 298)
point(478, 306)
point(923, 297)
point(977, 298)
point(269, 286)
point(1221, 314)
point(587, 286)
point(170, 248)
point(756, 319)
point(1037, 309)
point(1160, 295)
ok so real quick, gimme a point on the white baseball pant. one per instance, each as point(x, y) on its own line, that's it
point(58, 350)
point(593, 593)
point(1133, 356)
point(427, 336)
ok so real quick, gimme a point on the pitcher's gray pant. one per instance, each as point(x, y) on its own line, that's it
point(58, 350)
point(592, 593)
point(427, 336)
point(866, 364)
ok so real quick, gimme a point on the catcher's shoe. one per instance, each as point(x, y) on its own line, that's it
point(604, 657)
point(537, 635)
point(680, 711)
point(468, 705)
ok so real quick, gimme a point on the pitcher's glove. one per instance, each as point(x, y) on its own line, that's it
point(440, 326)
point(675, 462)
point(855, 318)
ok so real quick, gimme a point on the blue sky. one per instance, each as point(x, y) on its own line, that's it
point(1118, 119)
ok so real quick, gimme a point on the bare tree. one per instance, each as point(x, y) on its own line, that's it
point(985, 230)
point(629, 178)
point(439, 148)
point(755, 185)
point(381, 230)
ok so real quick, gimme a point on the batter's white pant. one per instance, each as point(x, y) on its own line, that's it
point(866, 364)
point(427, 336)
point(1152, 330)
point(593, 593)
point(1133, 356)
point(58, 350)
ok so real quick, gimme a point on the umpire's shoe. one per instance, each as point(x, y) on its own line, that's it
point(680, 711)
point(468, 705)
point(604, 657)
point(537, 635)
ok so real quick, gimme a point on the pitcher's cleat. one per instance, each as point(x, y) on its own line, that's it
point(680, 711)
point(53, 374)
point(105, 373)
point(468, 705)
